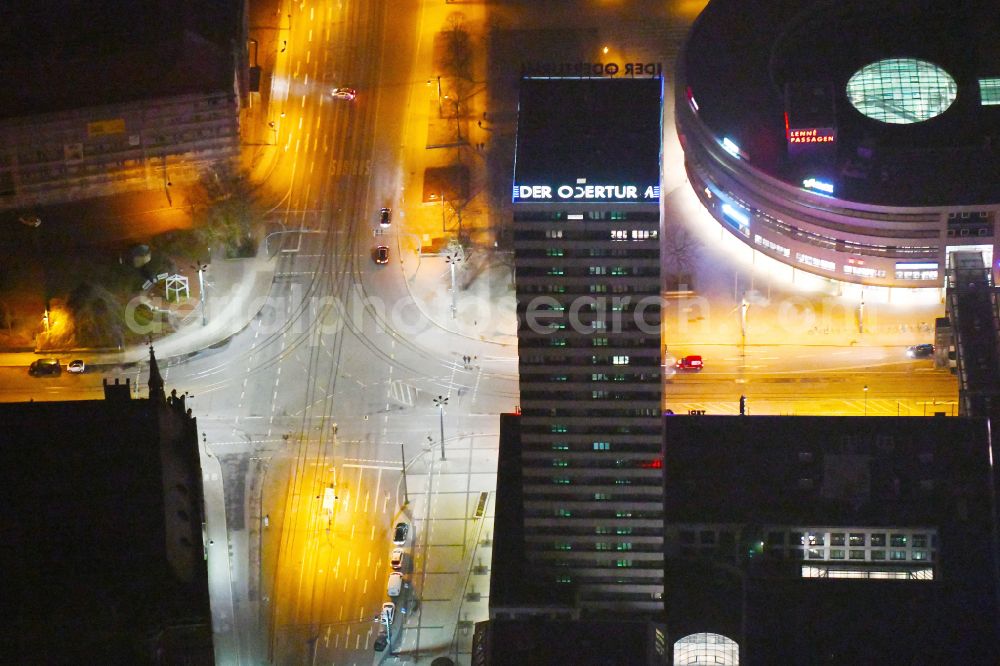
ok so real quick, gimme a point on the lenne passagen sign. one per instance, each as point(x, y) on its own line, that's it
point(586, 192)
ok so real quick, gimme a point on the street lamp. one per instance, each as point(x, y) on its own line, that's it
point(453, 260)
point(201, 268)
point(866, 399)
point(440, 402)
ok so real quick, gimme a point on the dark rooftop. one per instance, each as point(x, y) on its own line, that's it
point(821, 470)
point(63, 54)
point(607, 131)
point(83, 535)
point(741, 55)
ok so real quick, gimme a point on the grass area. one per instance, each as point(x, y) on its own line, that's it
point(95, 293)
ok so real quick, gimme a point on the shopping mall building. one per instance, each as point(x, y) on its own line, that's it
point(859, 141)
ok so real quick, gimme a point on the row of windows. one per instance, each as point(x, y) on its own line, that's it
point(600, 377)
point(839, 245)
point(564, 216)
point(602, 563)
point(590, 513)
point(614, 359)
point(617, 252)
point(592, 394)
point(616, 235)
point(576, 271)
point(607, 580)
point(644, 288)
point(620, 546)
point(654, 463)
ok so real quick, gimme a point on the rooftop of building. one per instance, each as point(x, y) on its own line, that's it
point(85, 548)
point(541, 642)
point(57, 55)
point(825, 470)
point(606, 131)
point(741, 55)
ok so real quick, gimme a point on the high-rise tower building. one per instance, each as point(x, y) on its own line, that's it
point(587, 247)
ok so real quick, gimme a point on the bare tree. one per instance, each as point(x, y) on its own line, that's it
point(680, 248)
point(458, 47)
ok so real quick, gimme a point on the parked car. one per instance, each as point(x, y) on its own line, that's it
point(395, 585)
point(344, 93)
point(388, 613)
point(381, 641)
point(44, 367)
point(381, 254)
point(385, 217)
point(689, 363)
point(920, 351)
point(396, 559)
point(399, 536)
point(76, 366)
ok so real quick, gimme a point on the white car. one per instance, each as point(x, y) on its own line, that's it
point(395, 584)
point(76, 366)
point(396, 559)
point(388, 613)
point(344, 93)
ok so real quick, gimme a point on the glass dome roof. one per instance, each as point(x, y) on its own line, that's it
point(901, 90)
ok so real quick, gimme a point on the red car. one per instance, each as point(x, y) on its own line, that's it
point(689, 363)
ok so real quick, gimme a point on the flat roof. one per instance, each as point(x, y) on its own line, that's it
point(57, 55)
point(599, 132)
point(741, 55)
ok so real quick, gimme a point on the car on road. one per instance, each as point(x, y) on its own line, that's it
point(394, 586)
point(30, 221)
point(344, 93)
point(381, 641)
point(689, 363)
point(76, 366)
point(920, 351)
point(381, 254)
point(385, 217)
point(396, 559)
point(44, 367)
point(388, 613)
point(399, 535)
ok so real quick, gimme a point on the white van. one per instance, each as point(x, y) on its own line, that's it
point(395, 585)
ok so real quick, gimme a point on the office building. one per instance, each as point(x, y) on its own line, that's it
point(841, 540)
point(586, 475)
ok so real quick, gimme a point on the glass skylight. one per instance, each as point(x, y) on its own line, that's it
point(901, 90)
point(989, 91)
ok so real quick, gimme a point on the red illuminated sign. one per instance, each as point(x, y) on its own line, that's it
point(814, 135)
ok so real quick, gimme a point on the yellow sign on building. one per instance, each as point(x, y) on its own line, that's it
point(103, 127)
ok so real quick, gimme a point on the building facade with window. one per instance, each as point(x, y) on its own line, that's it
point(122, 105)
point(586, 238)
point(859, 140)
point(805, 540)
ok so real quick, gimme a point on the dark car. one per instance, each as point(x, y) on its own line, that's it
point(385, 217)
point(399, 536)
point(381, 641)
point(381, 254)
point(920, 351)
point(44, 367)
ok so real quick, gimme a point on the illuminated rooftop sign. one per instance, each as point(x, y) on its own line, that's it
point(812, 135)
point(583, 191)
